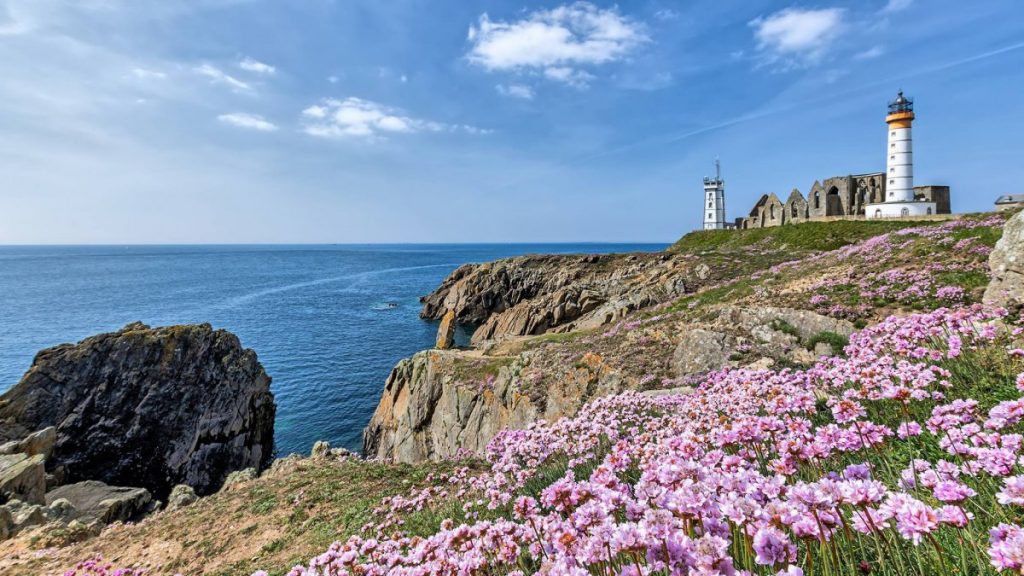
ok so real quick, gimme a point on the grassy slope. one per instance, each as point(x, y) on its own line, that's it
point(283, 518)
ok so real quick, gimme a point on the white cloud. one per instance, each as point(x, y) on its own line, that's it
point(567, 75)
point(249, 121)
point(220, 77)
point(870, 53)
point(516, 91)
point(333, 79)
point(796, 36)
point(358, 118)
point(561, 40)
point(894, 6)
point(257, 67)
point(145, 74)
point(666, 14)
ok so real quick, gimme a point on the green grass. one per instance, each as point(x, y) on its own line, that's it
point(812, 236)
point(836, 341)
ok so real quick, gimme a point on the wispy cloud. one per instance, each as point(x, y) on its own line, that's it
point(257, 67)
point(248, 121)
point(146, 74)
point(556, 42)
point(358, 118)
point(516, 91)
point(870, 53)
point(894, 6)
point(218, 76)
point(796, 37)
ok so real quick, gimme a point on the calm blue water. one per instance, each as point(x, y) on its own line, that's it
point(315, 315)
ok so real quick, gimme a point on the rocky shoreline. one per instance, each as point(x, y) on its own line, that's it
point(106, 429)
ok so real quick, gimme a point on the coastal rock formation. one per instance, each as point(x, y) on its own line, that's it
point(529, 295)
point(22, 477)
point(431, 409)
point(438, 404)
point(1007, 267)
point(446, 331)
point(147, 407)
point(96, 500)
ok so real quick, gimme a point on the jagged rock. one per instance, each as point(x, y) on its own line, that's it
point(148, 407)
point(700, 351)
point(427, 413)
point(1006, 263)
point(239, 476)
point(446, 332)
point(321, 449)
point(22, 477)
point(534, 294)
point(6, 523)
point(40, 442)
point(105, 503)
point(181, 496)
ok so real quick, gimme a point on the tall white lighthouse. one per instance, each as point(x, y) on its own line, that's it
point(714, 200)
point(899, 166)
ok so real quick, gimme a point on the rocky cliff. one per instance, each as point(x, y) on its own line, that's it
point(440, 403)
point(147, 407)
point(556, 331)
point(530, 295)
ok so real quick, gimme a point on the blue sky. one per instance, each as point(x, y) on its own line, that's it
point(172, 121)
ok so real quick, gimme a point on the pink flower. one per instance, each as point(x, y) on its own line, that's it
point(915, 519)
point(951, 491)
point(1012, 492)
point(1006, 547)
point(773, 547)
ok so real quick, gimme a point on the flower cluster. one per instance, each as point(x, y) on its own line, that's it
point(874, 457)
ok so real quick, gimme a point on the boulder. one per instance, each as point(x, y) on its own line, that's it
point(148, 407)
point(22, 477)
point(446, 331)
point(61, 509)
point(183, 495)
point(40, 442)
point(699, 351)
point(102, 502)
point(1006, 263)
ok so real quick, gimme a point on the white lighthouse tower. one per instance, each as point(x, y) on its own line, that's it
point(899, 167)
point(714, 200)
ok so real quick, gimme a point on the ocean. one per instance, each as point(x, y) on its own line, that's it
point(328, 322)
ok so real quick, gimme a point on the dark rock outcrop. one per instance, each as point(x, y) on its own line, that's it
point(148, 407)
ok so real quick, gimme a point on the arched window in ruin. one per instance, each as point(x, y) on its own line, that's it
point(771, 211)
point(794, 210)
point(878, 213)
point(817, 200)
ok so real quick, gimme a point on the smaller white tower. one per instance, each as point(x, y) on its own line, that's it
point(714, 200)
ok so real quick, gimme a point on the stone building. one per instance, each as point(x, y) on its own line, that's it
point(836, 197)
point(889, 194)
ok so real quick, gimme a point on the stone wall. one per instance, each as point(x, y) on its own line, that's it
point(835, 198)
